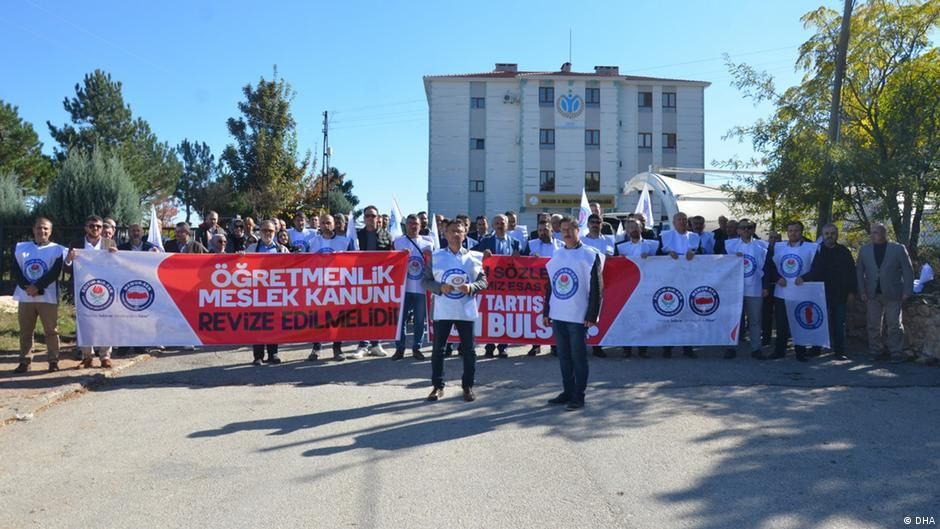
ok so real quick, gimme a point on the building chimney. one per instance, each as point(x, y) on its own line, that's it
point(607, 70)
point(506, 67)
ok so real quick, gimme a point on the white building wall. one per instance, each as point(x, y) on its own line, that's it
point(569, 144)
point(449, 153)
point(610, 138)
point(690, 131)
point(503, 188)
point(529, 109)
point(627, 111)
point(657, 125)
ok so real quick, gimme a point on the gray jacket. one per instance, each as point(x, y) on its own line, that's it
point(896, 275)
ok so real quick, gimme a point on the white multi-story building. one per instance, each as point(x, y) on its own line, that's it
point(530, 141)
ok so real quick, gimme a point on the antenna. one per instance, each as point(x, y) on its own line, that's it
point(569, 44)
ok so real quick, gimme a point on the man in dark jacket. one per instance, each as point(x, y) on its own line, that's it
point(136, 242)
point(372, 238)
point(835, 267)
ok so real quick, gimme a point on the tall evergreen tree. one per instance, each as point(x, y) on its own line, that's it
point(198, 166)
point(101, 119)
point(21, 151)
point(87, 184)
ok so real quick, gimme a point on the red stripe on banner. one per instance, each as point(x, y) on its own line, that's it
point(621, 277)
point(287, 298)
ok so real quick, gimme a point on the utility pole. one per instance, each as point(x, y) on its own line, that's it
point(827, 179)
point(326, 161)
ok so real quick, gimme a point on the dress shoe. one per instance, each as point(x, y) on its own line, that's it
point(106, 363)
point(53, 367)
point(730, 353)
point(274, 359)
point(436, 393)
point(689, 353)
point(418, 355)
point(598, 352)
point(468, 395)
point(488, 354)
point(86, 363)
point(399, 354)
point(534, 350)
point(503, 354)
point(562, 398)
point(840, 356)
point(313, 356)
point(574, 405)
point(256, 362)
point(22, 368)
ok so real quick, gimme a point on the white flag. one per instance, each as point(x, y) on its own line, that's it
point(394, 221)
point(154, 236)
point(807, 316)
point(351, 232)
point(435, 233)
point(584, 213)
point(620, 235)
point(645, 205)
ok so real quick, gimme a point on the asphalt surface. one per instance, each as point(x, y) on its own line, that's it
point(205, 440)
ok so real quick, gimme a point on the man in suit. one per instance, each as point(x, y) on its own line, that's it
point(92, 241)
point(885, 279)
point(184, 243)
point(136, 241)
point(499, 243)
point(372, 238)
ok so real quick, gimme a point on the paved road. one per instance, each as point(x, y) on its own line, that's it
point(204, 440)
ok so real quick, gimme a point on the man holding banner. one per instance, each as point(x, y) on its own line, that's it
point(753, 255)
point(372, 238)
point(676, 242)
point(572, 306)
point(454, 278)
point(792, 260)
point(415, 303)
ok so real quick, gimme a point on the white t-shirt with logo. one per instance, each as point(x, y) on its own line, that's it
point(415, 261)
point(35, 261)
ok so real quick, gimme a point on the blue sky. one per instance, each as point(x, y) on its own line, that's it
point(183, 63)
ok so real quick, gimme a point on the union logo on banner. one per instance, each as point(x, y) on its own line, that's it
point(809, 315)
point(570, 105)
point(564, 283)
point(415, 267)
point(668, 301)
point(137, 295)
point(704, 301)
point(791, 265)
point(96, 294)
point(455, 277)
point(34, 269)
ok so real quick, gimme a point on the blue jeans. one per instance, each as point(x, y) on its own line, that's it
point(572, 356)
point(415, 304)
point(441, 332)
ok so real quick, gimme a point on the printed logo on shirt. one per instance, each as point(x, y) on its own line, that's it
point(34, 269)
point(326, 249)
point(750, 265)
point(455, 277)
point(137, 295)
point(415, 267)
point(809, 315)
point(668, 301)
point(791, 265)
point(564, 283)
point(96, 294)
point(704, 301)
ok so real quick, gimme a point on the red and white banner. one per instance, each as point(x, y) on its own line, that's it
point(146, 298)
point(653, 301)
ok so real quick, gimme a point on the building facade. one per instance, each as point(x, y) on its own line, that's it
point(530, 141)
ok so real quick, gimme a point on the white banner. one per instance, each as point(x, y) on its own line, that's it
point(665, 301)
point(807, 314)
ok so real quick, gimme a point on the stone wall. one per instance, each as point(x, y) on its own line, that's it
point(921, 318)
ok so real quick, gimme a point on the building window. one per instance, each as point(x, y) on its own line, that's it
point(477, 102)
point(592, 97)
point(645, 140)
point(477, 144)
point(546, 138)
point(592, 181)
point(546, 96)
point(592, 138)
point(645, 99)
point(669, 100)
point(669, 140)
point(546, 180)
point(476, 186)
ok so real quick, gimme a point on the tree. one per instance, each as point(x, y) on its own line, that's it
point(91, 184)
point(100, 119)
point(885, 161)
point(330, 193)
point(263, 161)
point(12, 202)
point(198, 167)
point(21, 151)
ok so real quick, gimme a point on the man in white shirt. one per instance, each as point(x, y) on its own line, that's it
point(602, 243)
point(35, 270)
point(635, 246)
point(675, 242)
point(706, 239)
point(754, 254)
point(300, 233)
point(419, 253)
point(544, 246)
point(516, 231)
point(792, 261)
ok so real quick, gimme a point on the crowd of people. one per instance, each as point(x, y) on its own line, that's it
point(882, 278)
